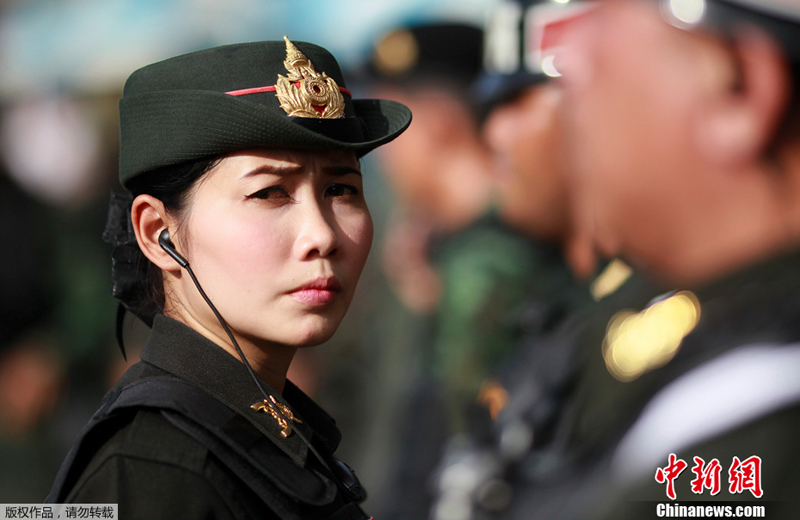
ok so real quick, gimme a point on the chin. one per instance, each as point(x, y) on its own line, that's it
point(311, 339)
point(312, 331)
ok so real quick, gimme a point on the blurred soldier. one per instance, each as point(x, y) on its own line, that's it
point(479, 269)
point(520, 104)
point(438, 172)
point(447, 251)
point(682, 121)
point(521, 127)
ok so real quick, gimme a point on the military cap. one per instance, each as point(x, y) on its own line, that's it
point(437, 52)
point(263, 94)
point(780, 18)
point(784, 9)
point(521, 37)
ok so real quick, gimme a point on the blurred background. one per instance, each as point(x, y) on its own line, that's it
point(62, 67)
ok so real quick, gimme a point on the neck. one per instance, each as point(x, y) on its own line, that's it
point(756, 218)
point(579, 254)
point(270, 361)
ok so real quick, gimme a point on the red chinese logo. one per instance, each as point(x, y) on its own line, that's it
point(670, 473)
point(707, 476)
point(746, 474)
point(742, 475)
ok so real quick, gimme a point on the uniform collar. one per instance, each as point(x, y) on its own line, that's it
point(779, 273)
point(176, 348)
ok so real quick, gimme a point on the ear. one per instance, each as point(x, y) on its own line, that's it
point(149, 219)
point(739, 128)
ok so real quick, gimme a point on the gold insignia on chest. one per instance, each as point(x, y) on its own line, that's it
point(304, 92)
point(613, 276)
point(269, 406)
point(637, 342)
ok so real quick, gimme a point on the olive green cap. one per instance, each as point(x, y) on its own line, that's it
point(223, 99)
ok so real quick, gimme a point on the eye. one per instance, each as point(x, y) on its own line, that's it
point(271, 192)
point(340, 190)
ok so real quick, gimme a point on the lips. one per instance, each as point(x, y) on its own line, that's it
point(317, 293)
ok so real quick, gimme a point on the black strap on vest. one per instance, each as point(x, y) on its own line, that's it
point(218, 428)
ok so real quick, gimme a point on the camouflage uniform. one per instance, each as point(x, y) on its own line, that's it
point(498, 286)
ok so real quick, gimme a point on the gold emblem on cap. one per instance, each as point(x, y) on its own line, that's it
point(397, 53)
point(304, 92)
point(269, 406)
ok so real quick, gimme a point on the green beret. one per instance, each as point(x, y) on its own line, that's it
point(263, 94)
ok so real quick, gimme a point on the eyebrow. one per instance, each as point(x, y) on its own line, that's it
point(274, 169)
point(341, 170)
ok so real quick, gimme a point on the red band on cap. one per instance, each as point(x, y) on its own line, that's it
point(246, 91)
point(271, 88)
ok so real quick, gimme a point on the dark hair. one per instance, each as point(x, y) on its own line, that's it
point(172, 185)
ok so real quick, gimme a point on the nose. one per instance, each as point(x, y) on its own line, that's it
point(575, 56)
point(317, 237)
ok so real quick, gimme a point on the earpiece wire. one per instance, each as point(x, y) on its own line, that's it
point(252, 372)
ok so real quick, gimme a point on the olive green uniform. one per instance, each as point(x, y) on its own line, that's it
point(499, 287)
point(728, 392)
point(163, 460)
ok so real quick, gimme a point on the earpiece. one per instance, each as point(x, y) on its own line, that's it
point(166, 245)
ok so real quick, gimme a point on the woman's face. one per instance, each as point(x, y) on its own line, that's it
point(277, 239)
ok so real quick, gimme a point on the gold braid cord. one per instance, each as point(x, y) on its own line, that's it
point(269, 407)
point(305, 92)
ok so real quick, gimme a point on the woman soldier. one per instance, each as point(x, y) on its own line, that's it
point(242, 239)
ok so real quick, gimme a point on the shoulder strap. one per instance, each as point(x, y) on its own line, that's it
point(91, 438)
point(233, 440)
point(703, 404)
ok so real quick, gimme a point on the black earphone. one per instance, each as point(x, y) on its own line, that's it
point(348, 481)
point(166, 245)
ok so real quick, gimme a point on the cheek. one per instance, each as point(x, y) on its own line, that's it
point(264, 242)
point(357, 230)
point(236, 247)
point(407, 163)
point(627, 120)
point(538, 145)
